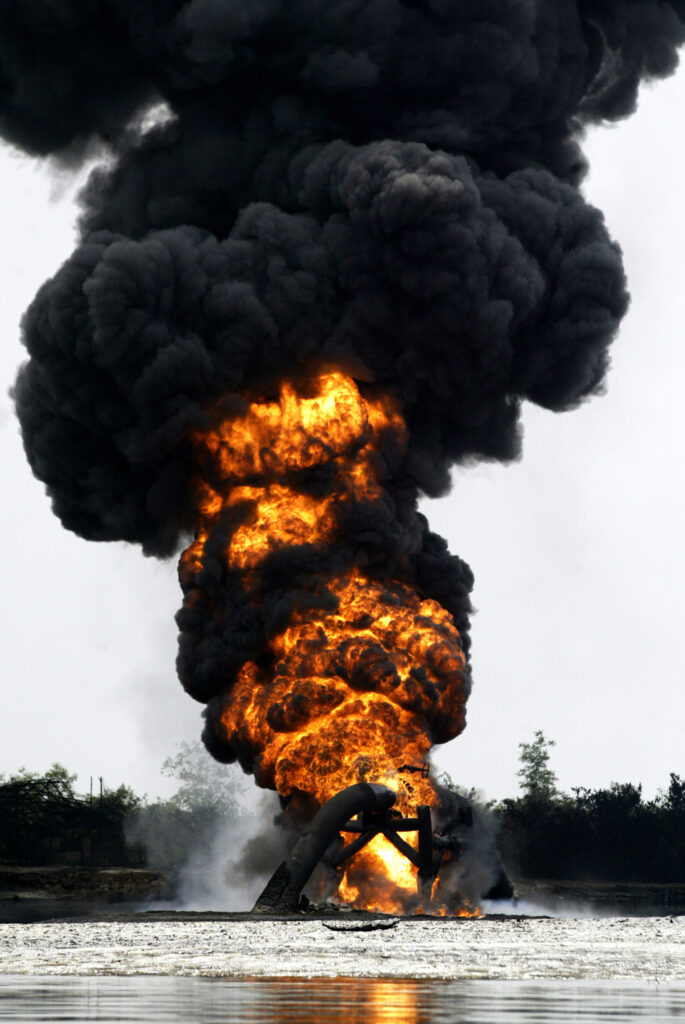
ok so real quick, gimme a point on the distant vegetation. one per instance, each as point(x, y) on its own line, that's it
point(44, 821)
point(605, 835)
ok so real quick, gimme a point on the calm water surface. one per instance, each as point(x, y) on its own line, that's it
point(120, 1000)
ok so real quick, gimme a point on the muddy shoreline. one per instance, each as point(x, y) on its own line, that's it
point(238, 946)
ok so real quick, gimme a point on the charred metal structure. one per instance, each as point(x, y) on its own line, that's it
point(364, 811)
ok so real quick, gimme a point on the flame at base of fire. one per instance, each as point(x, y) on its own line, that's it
point(380, 878)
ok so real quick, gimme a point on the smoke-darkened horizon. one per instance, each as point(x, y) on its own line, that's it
point(384, 194)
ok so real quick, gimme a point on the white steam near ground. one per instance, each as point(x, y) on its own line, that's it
point(232, 869)
point(217, 839)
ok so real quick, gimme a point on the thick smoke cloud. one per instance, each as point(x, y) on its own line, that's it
point(388, 186)
point(459, 75)
point(459, 292)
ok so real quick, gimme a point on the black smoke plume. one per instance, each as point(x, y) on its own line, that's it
point(389, 186)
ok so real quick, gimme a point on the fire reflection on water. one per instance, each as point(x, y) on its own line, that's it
point(348, 1000)
point(392, 1002)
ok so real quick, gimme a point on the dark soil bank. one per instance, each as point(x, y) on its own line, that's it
point(40, 894)
point(627, 898)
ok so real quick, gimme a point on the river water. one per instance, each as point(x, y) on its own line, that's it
point(309, 971)
point(334, 1001)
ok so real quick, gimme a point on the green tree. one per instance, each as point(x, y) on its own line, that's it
point(204, 782)
point(538, 781)
point(674, 798)
point(57, 774)
point(182, 829)
point(121, 801)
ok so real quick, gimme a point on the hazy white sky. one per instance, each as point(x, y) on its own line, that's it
point(578, 550)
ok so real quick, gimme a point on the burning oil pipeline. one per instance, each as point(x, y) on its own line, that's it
point(333, 247)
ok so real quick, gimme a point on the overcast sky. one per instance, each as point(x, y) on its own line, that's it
point(578, 550)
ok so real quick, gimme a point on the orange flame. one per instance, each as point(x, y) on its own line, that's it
point(354, 690)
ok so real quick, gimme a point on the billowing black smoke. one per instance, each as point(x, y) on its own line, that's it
point(388, 186)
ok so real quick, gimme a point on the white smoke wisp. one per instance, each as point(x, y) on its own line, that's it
point(228, 872)
point(215, 843)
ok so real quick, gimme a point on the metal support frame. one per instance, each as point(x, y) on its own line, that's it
point(370, 805)
point(368, 824)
